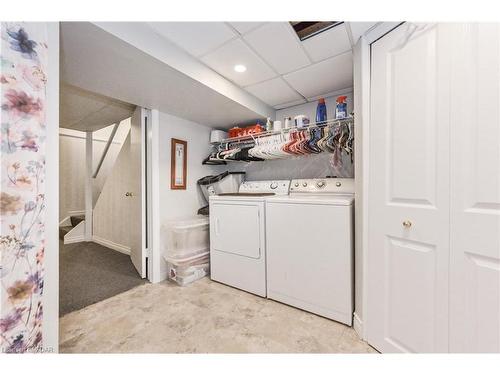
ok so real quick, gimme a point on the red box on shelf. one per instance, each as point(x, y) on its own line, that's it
point(240, 132)
point(234, 132)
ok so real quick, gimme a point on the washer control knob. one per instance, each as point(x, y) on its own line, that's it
point(338, 184)
point(274, 185)
point(304, 184)
point(320, 184)
point(296, 184)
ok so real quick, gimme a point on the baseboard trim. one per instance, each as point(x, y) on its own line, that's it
point(112, 245)
point(358, 326)
point(163, 277)
point(74, 239)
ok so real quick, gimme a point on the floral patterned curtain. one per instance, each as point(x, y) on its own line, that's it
point(23, 79)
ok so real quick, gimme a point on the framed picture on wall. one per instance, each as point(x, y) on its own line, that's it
point(178, 167)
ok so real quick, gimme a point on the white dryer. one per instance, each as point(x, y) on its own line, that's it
point(310, 247)
point(238, 237)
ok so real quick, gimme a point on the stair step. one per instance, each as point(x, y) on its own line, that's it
point(75, 220)
point(63, 231)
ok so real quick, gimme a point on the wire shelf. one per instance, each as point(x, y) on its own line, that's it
point(251, 137)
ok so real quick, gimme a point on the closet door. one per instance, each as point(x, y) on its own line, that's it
point(475, 198)
point(408, 254)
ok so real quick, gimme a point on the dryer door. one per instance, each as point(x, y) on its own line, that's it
point(236, 228)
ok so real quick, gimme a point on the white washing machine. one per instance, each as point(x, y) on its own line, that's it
point(309, 244)
point(238, 237)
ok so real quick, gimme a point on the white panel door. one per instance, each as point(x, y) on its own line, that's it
point(408, 254)
point(475, 199)
point(137, 191)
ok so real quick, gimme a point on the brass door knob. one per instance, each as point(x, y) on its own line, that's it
point(407, 223)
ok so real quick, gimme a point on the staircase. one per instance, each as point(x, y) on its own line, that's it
point(75, 220)
point(72, 227)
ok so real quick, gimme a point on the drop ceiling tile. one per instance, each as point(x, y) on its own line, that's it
point(223, 60)
point(323, 77)
point(359, 28)
point(278, 46)
point(273, 92)
point(290, 104)
point(328, 43)
point(244, 27)
point(196, 38)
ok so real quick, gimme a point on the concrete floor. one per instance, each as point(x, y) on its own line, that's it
point(204, 317)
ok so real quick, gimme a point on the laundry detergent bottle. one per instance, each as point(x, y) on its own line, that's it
point(341, 108)
point(321, 112)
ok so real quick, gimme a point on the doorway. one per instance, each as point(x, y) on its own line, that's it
point(103, 198)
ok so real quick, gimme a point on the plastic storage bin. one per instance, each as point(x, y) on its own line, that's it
point(184, 273)
point(187, 249)
point(186, 238)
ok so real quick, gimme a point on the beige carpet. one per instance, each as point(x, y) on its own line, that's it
point(204, 317)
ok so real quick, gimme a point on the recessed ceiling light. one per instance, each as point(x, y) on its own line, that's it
point(240, 68)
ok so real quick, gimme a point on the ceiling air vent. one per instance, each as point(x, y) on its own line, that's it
point(308, 29)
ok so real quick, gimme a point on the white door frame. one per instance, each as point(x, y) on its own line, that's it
point(362, 79)
point(146, 192)
point(147, 196)
point(143, 261)
point(156, 273)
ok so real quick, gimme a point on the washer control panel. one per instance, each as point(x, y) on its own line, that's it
point(322, 185)
point(279, 187)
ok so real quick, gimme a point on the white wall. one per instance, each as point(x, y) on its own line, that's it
point(110, 215)
point(178, 203)
point(72, 165)
point(312, 166)
point(100, 137)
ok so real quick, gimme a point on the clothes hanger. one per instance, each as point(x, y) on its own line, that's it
point(322, 143)
point(332, 141)
point(315, 134)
